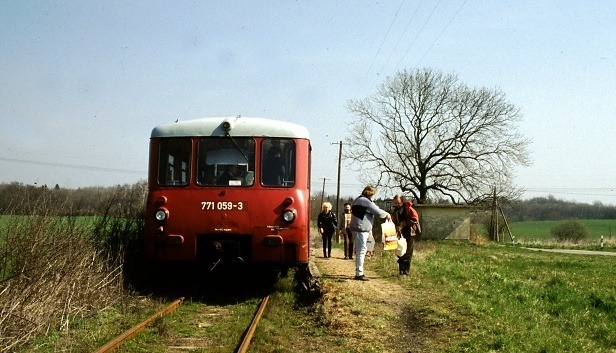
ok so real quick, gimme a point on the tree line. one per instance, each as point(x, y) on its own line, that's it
point(22, 199)
point(551, 209)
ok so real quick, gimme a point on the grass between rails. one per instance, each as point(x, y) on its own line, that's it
point(288, 325)
point(195, 327)
point(511, 300)
point(198, 325)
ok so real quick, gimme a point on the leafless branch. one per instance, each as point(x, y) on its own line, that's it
point(425, 133)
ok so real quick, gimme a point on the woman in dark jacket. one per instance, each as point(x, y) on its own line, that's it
point(327, 226)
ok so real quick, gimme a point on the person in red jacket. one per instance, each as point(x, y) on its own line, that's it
point(406, 219)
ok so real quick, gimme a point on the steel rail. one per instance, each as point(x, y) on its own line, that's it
point(243, 348)
point(116, 342)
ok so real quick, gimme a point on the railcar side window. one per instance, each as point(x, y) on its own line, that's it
point(226, 161)
point(174, 161)
point(278, 162)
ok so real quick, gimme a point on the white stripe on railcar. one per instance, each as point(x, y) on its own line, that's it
point(241, 126)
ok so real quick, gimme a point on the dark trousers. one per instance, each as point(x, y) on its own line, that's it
point(327, 243)
point(404, 261)
point(348, 243)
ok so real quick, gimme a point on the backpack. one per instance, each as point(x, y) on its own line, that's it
point(413, 215)
point(408, 206)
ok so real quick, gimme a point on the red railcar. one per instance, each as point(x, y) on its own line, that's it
point(229, 191)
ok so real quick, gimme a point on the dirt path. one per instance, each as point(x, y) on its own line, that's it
point(371, 316)
point(576, 252)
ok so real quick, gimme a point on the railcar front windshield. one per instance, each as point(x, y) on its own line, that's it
point(227, 161)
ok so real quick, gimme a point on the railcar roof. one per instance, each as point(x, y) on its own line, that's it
point(240, 126)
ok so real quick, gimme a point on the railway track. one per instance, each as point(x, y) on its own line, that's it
point(242, 347)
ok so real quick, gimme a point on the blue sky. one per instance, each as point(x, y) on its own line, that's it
point(84, 83)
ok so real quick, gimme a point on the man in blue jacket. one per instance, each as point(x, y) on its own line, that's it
point(363, 211)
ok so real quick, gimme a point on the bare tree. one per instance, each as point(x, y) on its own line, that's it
point(428, 135)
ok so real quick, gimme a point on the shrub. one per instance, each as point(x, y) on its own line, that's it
point(50, 275)
point(57, 268)
point(571, 230)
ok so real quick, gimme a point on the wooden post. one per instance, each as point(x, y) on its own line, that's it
point(494, 219)
point(322, 194)
point(506, 225)
point(338, 186)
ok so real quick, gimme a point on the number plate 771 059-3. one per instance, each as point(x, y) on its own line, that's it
point(221, 205)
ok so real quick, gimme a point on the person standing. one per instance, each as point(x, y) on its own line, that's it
point(273, 165)
point(406, 219)
point(345, 229)
point(228, 175)
point(327, 226)
point(363, 211)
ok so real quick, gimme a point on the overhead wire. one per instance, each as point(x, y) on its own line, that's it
point(568, 191)
point(384, 38)
point(441, 33)
point(610, 192)
point(408, 24)
point(418, 33)
point(74, 166)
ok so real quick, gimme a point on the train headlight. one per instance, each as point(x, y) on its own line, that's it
point(227, 125)
point(289, 215)
point(161, 214)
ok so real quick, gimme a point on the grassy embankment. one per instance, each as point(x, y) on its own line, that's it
point(504, 298)
point(497, 298)
point(537, 234)
point(540, 230)
point(56, 271)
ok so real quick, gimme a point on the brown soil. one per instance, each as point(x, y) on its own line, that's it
point(376, 315)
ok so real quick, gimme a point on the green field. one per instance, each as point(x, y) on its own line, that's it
point(507, 299)
point(539, 230)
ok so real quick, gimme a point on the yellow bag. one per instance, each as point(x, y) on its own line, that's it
point(390, 237)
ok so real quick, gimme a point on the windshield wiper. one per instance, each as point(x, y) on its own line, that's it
point(241, 151)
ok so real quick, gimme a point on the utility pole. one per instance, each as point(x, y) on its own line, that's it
point(339, 143)
point(323, 192)
point(494, 218)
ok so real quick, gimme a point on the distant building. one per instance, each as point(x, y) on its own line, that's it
point(452, 222)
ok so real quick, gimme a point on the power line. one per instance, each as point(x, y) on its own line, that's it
point(74, 166)
point(384, 38)
point(575, 191)
point(440, 34)
point(333, 183)
point(418, 33)
point(401, 36)
point(572, 188)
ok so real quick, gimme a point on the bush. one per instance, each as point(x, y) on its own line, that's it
point(571, 230)
point(57, 268)
point(50, 275)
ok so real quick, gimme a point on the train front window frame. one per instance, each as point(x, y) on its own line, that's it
point(278, 161)
point(226, 161)
point(174, 155)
